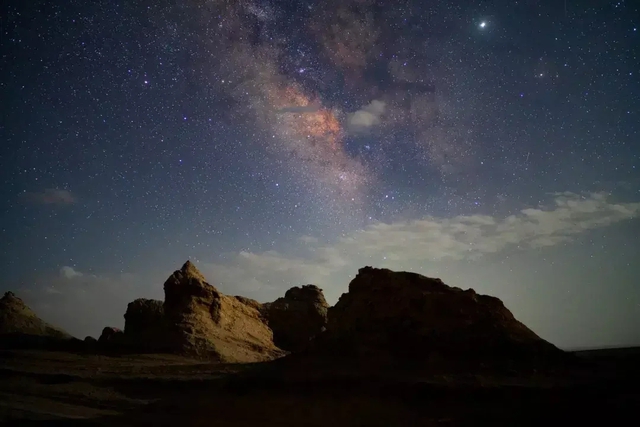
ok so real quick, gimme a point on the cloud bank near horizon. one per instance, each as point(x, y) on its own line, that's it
point(466, 237)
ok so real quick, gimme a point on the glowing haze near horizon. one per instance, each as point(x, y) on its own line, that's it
point(492, 144)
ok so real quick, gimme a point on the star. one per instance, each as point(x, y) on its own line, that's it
point(483, 24)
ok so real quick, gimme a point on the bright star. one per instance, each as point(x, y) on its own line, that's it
point(483, 24)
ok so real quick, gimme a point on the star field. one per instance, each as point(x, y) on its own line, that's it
point(277, 143)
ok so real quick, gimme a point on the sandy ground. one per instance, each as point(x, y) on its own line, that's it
point(58, 388)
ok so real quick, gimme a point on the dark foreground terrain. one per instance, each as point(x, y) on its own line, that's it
point(61, 388)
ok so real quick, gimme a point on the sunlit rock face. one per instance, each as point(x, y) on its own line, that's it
point(203, 322)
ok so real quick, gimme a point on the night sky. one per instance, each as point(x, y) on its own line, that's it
point(493, 144)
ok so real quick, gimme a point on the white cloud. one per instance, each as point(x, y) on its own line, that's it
point(366, 117)
point(267, 275)
point(69, 272)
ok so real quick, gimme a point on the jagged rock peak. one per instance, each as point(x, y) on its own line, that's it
point(12, 305)
point(10, 298)
point(9, 294)
point(187, 277)
point(190, 271)
point(201, 321)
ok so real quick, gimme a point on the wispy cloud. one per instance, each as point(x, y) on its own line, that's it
point(430, 239)
point(468, 237)
point(309, 239)
point(51, 196)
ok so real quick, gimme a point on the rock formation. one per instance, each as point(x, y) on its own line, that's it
point(19, 326)
point(112, 339)
point(407, 320)
point(250, 302)
point(205, 323)
point(297, 318)
point(145, 327)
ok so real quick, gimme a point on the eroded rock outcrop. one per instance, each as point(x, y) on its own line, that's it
point(145, 326)
point(112, 339)
point(21, 327)
point(205, 323)
point(405, 319)
point(298, 317)
point(250, 302)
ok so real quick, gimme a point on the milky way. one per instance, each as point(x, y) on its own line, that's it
point(494, 144)
point(341, 58)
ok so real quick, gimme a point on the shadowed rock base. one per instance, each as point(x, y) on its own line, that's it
point(45, 388)
point(298, 317)
point(405, 321)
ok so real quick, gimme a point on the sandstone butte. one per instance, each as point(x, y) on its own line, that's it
point(406, 320)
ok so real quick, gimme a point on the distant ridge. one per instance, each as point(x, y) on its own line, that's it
point(21, 327)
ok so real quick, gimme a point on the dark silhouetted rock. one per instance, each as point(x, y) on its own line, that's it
point(145, 326)
point(298, 317)
point(112, 339)
point(89, 344)
point(20, 327)
point(407, 320)
point(205, 323)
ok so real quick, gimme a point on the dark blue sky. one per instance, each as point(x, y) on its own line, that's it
point(493, 144)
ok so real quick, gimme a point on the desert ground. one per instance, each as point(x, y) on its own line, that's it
point(42, 387)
